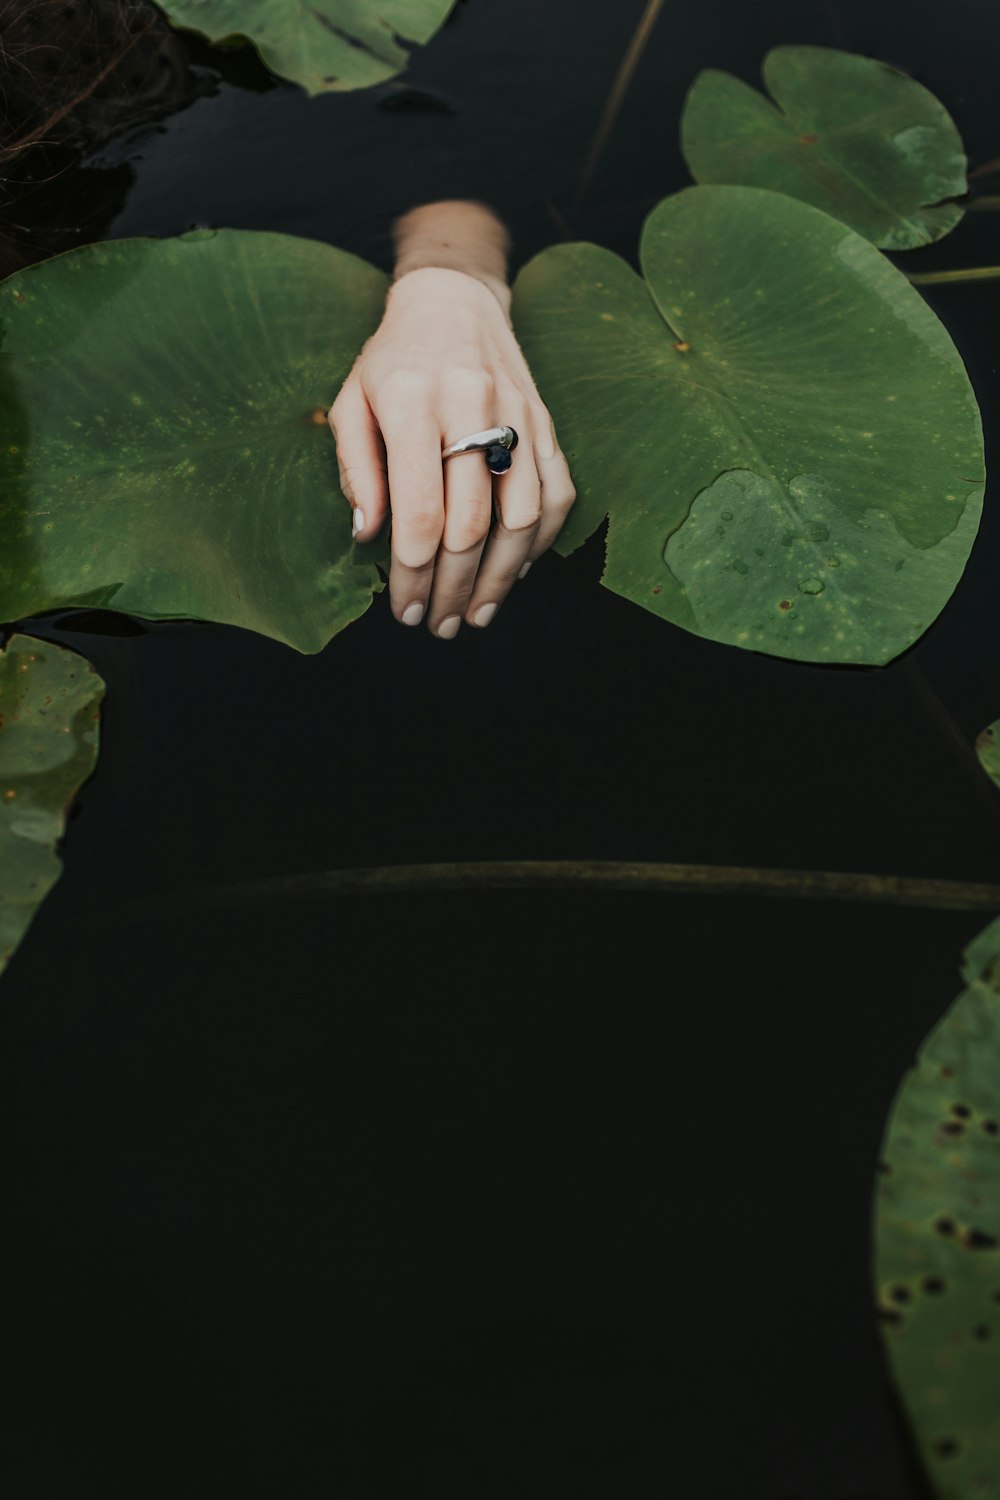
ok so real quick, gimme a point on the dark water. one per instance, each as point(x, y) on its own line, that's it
point(471, 1197)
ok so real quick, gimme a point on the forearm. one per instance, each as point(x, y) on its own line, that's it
point(455, 235)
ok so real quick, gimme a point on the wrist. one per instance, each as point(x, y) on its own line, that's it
point(458, 236)
point(434, 282)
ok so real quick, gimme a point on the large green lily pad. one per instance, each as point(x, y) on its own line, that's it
point(49, 712)
point(850, 135)
point(937, 1236)
point(327, 45)
point(163, 445)
point(782, 432)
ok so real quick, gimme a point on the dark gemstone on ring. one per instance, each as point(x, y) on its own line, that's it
point(498, 459)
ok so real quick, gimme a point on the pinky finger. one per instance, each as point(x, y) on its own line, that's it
point(558, 495)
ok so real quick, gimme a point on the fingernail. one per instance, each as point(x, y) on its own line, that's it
point(413, 613)
point(484, 614)
point(359, 521)
point(449, 627)
point(524, 570)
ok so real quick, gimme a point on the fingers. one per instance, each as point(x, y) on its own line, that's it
point(532, 513)
point(361, 459)
point(446, 565)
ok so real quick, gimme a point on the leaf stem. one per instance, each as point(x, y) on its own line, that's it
point(941, 278)
point(607, 875)
point(987, 201)
point(619, 89)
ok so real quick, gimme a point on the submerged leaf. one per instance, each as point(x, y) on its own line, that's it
point(49, 713)
point(937, 1236)
point(163, 443)
point(850, 135)
point(327, 45)
point(988, 750)
point(782, 432)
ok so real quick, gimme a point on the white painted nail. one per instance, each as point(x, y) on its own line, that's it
point(524, 570)
point(413, 613)
point(484, 614)
point(449, 627)
point(359, 521)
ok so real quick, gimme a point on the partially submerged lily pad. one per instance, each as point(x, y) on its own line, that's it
point(988, 750)
point(327, 45)
point(163, 443)
point(49, 711)
point(848, 134)
point(937, 1236)
point(782, 432)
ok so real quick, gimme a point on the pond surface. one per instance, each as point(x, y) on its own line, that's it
point(473, 1196)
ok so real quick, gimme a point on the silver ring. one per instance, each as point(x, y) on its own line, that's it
point(477, 442)
point(495, 442)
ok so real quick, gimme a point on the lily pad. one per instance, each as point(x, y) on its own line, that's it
point(848, 134)
point(49, 712)
point(781, 431)
point(937, 1236)
point(988, 750)
point(329, 45)
point(163, 444)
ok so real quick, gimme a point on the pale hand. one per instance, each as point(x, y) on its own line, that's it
point(442, 364)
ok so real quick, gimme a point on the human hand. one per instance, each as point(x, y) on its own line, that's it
point(444, 363)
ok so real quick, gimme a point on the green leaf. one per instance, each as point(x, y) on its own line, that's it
point(163, 445)
point(937, 1236)
point(988, 750)
point(49, 713)
point(850, 135)
point(780, 429)
point(328, 45)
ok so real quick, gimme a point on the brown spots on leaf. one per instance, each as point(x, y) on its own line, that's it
point(682, 346)
point(808, 139)
point(978, 1239)
point(784, 603)
point(317, 416)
